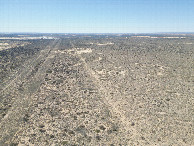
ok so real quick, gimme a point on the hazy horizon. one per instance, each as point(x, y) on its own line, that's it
point(95, 33)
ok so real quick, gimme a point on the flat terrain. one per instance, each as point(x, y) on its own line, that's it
point(98, 90)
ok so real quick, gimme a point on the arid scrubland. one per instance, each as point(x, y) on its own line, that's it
point(97, 90)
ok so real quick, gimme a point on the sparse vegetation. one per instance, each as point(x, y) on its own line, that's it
point(97, 90)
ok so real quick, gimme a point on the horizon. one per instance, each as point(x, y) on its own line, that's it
point(97, 33)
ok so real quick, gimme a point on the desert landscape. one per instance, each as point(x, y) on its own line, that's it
point(106, 89)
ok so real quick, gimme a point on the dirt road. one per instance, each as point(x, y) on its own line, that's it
point(89, 96)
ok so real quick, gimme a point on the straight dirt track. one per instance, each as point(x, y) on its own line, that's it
point(100, 95)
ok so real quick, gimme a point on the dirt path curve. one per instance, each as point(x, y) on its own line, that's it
point(131, 132)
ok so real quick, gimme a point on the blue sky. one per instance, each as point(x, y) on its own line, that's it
point(97, 16)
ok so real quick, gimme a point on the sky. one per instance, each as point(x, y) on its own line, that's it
point(97, 16)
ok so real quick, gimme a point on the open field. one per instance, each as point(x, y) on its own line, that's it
point(98, 90)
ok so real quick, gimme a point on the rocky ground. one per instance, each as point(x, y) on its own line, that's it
point(101, 91)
